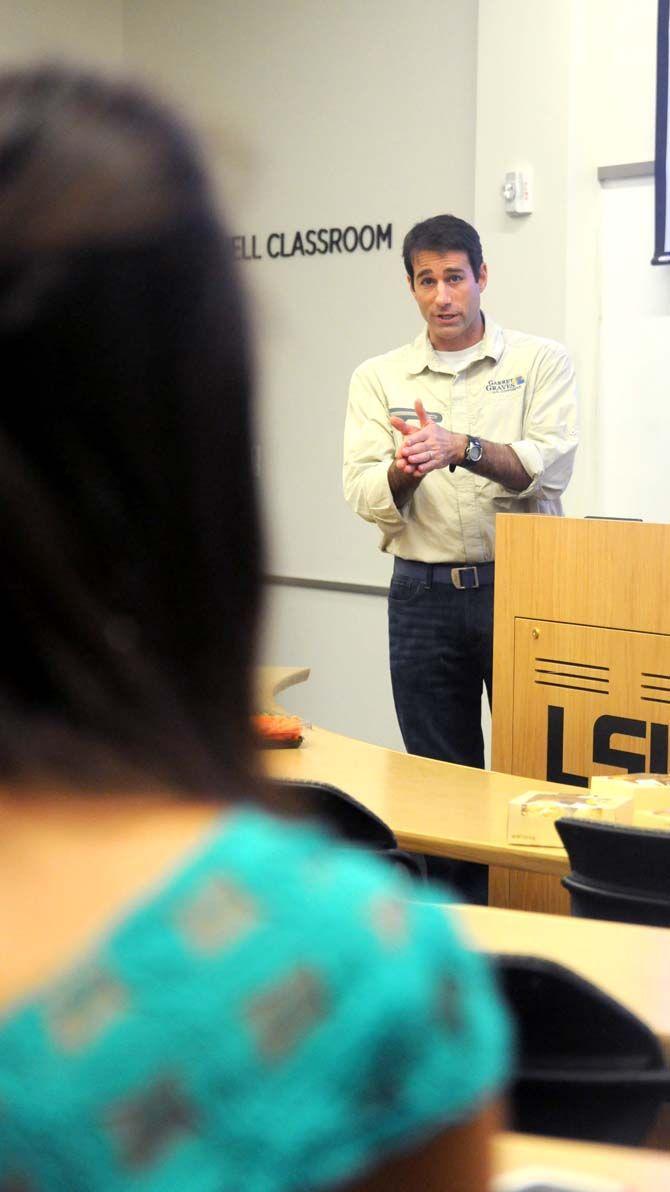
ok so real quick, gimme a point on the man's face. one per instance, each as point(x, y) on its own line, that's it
point(447, 294)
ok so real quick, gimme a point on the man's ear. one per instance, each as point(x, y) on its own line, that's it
point(410, 282)
point(483, 277)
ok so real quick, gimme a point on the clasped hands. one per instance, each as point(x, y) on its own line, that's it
point(427, 448)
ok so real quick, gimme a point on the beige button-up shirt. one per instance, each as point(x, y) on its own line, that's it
point(518, 389)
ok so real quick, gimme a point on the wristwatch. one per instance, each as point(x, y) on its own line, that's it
point(473, 452)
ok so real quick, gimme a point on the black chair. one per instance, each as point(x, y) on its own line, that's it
point(587, 1068)
point(617, 872)
point(345, 817)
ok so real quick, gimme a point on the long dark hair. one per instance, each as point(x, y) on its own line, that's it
point(129, 537)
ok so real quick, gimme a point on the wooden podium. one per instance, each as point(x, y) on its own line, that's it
point(581, 661)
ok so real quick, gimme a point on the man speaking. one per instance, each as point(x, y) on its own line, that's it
point(467, 421)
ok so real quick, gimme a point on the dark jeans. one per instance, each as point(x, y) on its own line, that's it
point(441, 648)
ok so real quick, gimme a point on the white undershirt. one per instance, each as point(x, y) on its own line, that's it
point(457, 361)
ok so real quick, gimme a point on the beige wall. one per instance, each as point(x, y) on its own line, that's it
point(87, 29)
point(567, 86)
point(523, 79)
point(342, 121)
point(612, 122)
point(324, 114)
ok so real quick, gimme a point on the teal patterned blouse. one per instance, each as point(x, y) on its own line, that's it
point(276, 1016)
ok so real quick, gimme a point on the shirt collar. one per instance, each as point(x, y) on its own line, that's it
point(422, 352)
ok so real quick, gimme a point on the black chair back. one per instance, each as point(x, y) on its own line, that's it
point(344, 816)
point(587, 1067)
point(617, 872)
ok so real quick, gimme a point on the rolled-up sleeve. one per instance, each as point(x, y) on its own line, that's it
point(369, 448)
point(550, 426)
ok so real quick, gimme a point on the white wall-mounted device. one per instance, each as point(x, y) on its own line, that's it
point(518, 191)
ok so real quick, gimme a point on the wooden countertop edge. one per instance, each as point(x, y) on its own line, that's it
point(638, 1170)
point(535, 861)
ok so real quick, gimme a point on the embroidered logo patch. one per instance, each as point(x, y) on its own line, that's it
point(505, 386)
point(410, 415)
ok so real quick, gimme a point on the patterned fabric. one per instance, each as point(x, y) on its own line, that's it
point(276, 1017)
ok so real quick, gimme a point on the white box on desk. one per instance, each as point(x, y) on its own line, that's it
point(650, 793)
point(531, 817)
point(632, 784)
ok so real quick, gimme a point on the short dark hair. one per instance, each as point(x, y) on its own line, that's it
point(130, 548)
point(443, 233)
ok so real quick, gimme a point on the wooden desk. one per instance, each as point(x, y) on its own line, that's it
point(637, 1170)
point(432, 807)
point(438, 808)
point(630, 963)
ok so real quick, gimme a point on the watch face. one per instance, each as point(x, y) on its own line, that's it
point(473, 452)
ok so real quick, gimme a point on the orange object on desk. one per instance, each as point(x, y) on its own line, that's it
point(277, 729)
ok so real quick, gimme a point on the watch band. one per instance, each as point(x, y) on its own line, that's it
point(473, 454)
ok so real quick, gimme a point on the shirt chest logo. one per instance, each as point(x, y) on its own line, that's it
point(410, 415)
point(505, 386)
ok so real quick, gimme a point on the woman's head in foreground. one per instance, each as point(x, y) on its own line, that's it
point(129, 541)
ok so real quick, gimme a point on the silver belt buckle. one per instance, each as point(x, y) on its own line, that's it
point(456, 577)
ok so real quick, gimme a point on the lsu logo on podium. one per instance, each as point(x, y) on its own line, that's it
point(652, 757)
